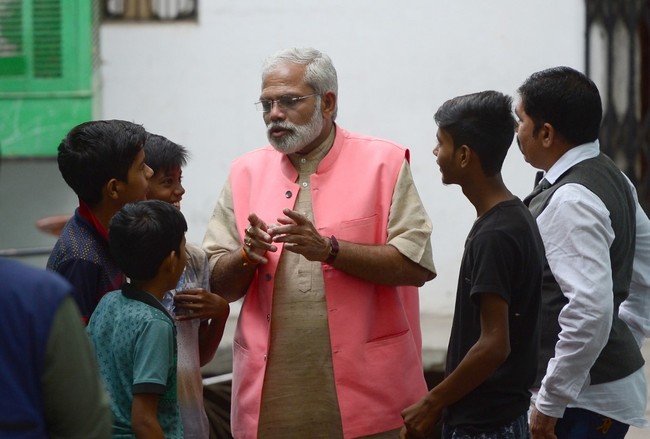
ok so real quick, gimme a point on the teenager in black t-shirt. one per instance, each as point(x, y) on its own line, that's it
point(492, 354)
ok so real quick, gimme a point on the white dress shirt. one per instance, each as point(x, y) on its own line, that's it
point(577, 234)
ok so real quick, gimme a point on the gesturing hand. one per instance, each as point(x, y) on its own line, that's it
point(299, 235)
point(257, 240)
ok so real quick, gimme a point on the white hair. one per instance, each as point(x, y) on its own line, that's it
point(320, 73)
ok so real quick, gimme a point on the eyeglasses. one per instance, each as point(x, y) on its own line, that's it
point(284, 102)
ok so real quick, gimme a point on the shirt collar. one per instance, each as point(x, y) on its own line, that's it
point(86, 213)
point(571, 158)
point(131, 292)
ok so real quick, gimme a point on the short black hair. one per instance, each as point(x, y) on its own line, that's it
point(566, 99)
point(161, 154)
point(484, 122)
point(141, 235)
point(94, 152)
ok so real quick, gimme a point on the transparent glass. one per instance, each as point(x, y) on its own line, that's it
point(187, 281)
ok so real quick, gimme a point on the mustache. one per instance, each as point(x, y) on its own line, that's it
point(284, 125)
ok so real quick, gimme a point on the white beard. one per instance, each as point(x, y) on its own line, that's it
point(299, 135)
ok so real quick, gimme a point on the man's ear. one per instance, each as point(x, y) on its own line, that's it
point(548, 135)
point(328, 104)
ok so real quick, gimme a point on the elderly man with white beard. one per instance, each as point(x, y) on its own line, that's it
point(324, 234)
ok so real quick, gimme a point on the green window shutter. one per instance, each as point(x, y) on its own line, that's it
point(46, 72)
point(12, 57)
point(47, 48)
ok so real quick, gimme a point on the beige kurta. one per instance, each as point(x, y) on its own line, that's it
point(299, 380)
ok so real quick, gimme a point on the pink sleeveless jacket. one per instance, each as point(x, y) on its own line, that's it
point(374, 329)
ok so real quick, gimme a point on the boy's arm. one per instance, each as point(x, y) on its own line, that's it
point(144, 416)
point(213, 311)
point(481, 361)
point(211, 333)
point(153, 360)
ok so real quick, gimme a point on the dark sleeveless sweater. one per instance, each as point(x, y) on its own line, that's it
point(621, 356)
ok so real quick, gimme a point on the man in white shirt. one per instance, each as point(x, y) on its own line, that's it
point(596, 295)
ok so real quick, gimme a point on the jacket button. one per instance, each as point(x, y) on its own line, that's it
point(287, 194)
point(268, 277)
point(268, 317)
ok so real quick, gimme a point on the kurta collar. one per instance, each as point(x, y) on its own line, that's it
point(330, 155)
point(313, 157)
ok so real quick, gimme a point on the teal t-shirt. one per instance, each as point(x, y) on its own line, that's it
point(135, 344)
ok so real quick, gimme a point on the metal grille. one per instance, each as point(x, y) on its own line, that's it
point(617, 59)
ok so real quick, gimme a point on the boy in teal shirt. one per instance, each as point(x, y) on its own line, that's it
point(133, 334)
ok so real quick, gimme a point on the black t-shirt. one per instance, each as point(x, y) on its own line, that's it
point(503, 255)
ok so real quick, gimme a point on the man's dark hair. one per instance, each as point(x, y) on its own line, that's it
point(141, 235)
point(567, 100)
point(161, 154)
point(484, 122)
point(94, 152)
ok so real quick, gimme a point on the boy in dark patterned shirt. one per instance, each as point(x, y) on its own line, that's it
point(103, 162)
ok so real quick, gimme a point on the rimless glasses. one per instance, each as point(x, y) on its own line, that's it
point(284, 102)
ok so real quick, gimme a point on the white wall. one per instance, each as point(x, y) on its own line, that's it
point(397, 62)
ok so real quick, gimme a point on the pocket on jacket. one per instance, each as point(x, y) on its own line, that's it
point(359, 230)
